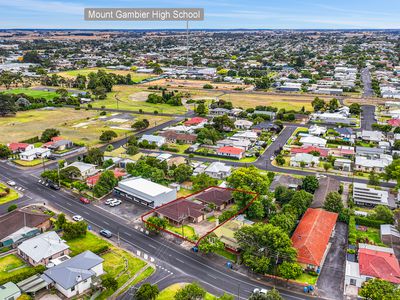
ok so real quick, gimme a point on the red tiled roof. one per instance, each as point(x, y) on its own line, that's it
point(322, 152)
point(312, 235)
point(394, 122)
point(379, 264)
point(230, 150)
point(92, 180)
point(179, 211)
point(195, 121)
point(17, 146)
point(53, 140)
point(215, 195)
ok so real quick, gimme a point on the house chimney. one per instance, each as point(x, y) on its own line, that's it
point(78, 278)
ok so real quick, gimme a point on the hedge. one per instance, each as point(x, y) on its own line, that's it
point(22, 276)
point(352, 231)
point(365, 221)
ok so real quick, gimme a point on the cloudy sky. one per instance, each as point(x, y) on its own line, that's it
point(224, 14)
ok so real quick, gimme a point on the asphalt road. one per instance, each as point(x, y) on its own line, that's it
point(367, 117)
point(367, 81)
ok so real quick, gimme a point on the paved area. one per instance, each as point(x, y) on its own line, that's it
point(367, 117)
point(126, 210)
point(366, 79)
point(331, 281)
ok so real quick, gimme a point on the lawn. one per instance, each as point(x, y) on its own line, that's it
point(188, 231)
point(228, 255)
point(134, 98)
point(307, 278)
point(34, 93)
point(136, 77)
point(29, 163)
point(12, 265)
point(169, 292)
point(372, 234)
point(80, 126)
point(118, 263)
point(12, 195)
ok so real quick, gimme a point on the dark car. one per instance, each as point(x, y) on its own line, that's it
point(54, 186)
point(106, 233)
point(84, 200)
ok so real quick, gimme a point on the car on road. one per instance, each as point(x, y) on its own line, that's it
point(77, 218)
point(273, 139)
point(260, 291)
point(116, 202)
point(11, 183)
point(272, 158)
point(106, 233)
point(84, 200)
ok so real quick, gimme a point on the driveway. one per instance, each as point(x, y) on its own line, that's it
point(368, 117)
point(331, 280)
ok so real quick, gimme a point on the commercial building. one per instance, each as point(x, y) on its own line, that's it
point(145, 192)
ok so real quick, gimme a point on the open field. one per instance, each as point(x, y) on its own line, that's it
point(169, 292)
point(12, 195)
point(33, 93)
point(134, 98)
point(80, 126)
point(136, 77)
point(12, 265)
point(195, 84)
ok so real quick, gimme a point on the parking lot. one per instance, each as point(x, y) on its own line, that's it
point(127, 210)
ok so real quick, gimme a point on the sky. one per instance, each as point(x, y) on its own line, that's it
point(219, 14)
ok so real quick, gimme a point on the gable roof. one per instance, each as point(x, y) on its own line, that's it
point(15, 220)
point(230, 150)
point(379, 264)
point(67, 273)
point(312, 235)
point(322, 152)
point(195, 121)
point(218, 196)
point(180, 210)
point(43, 246)
point(92, 180)
point(17, 146)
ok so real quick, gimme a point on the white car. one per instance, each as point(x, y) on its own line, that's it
point(260, 291)
point(108, 201)
point(11, 183)
point(273, 139)
point(115, 202)
point(77, 218)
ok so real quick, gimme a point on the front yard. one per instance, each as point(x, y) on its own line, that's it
point(307, 278)
point(185, 231)
point(29, 163)
point(11, 196)
point(169, 292)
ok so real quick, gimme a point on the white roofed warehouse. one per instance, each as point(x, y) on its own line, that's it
point(145, 192)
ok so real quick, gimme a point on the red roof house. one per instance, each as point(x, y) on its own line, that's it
point(312, 235)
point(322, 152)
point(379, 264)
point(92, 180)
point(53, 140)
point(19, 147)
point(195, 121)
point(231, 152)
point(394, 122)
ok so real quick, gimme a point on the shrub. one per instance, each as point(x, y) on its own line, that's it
point(366, 221)
point(22, 276)
point(12, 207)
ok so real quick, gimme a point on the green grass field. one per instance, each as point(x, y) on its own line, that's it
point(13, 195)
point(136, 77)
point(33, 93)
point(188, 231)
point(307, 278)
point(169, 292)
point(11, 265)
point(27, 163)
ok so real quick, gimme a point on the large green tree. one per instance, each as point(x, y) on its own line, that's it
point(147, 291)
point(249, 178)
point(378, 289)
point(5, 152)
point(289, 270)
point(202, 181)
point(7, 105)
point(310, 184)
point(94, 156)
point(334, 202)
point(192, 291)
point(48, 134)
point(105, 184)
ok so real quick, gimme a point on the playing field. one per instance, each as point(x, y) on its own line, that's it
point(134, 98)
point(136, 77)
point(33, 93)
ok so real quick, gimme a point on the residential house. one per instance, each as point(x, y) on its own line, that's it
point(342, 151)
point(219, 111)
point(317, 130)
point(285, 180)
point(174, 137)
point(270, 114)
point(311, 237)
point(20, 225)
point(243, 144)
point(218, 170)
point(327, 184)
point(76, 275)
point(226, 234)
point(390, 235)
point(343, 164)
point(85, 169)
point(243, 124)
point(345, 133)
point(394, 122)
point(233, 152)
point(178, 160)
point(40, 249)
point(59, 144)
point(19, 147)
point(310, 150)
point(373, 262)
point(247, 135)
point(266, 126)
point(368, 196)
point(153, 139)
point(182, 212)
point(220, 197)
point(9, 291)
point(371, 136)
point(92, 180)
point(378, 165)
point(34, 153)
point(299, 158)
point(334, 118)
point(195, 121)
point(314, 141)
point(145, 192)
point(369, 152)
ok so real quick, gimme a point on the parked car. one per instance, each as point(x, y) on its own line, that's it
point(108, 201)
point(115, 202)
point(260, 291)
point(11, 183)
point(84, 200)
point(105, 233)
point(77, 218)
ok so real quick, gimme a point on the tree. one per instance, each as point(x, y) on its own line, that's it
point(182, 173)
point(48, 134)
point(192, 291)
point(283, 195)
point(284, 221)
point(223, 123)
point(318, 104)
point(373, 179)
point(105, 184)
point(249, 178)
point(256, 210)
point(202, 181)
point(140, 124)
point(327, 166)
point(289, 270)
point(74, 230)
point(333, 104)
point(69, 173)
point(301, 200)
point(12, 207)
point(94, 156)
point(208, 135)
point(310, 184)
point(383, 213)
point(225, 296)
point(280, 160)
point(334, 202)
point(110, 283)
point(201, 109)
point(155, 224)
point(355, 109)
point(378, 289)
point(147, 292)
point(108, 135)
point(210, 244)
point(132, 150)
point(7, 105)
point(32, 57)
point(61, 221)
point(271, 295)
point(50, 175)
point(5, 152)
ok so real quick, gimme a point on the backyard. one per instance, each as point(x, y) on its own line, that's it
point(12, 195)
point(10, 266)
point(185, 231)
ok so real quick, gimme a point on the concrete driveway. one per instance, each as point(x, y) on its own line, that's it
point(331, 280)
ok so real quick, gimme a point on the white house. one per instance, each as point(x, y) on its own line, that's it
point(308, 159)
point(317, 130)
point(313, 141)
point(247, 135)
point(35, 153)
point(372, 136)
point(218, 170)
point(158, 140)
point(378, 165)
point(368, 196)
point(243, 124)
point(76, 275)
point(85, 169)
